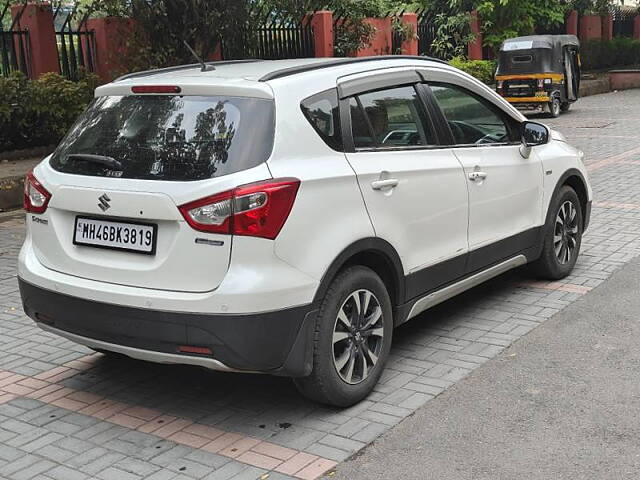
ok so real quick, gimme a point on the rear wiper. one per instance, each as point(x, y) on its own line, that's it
point(110, 162)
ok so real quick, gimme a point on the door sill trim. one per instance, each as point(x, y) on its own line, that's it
point(446, 293)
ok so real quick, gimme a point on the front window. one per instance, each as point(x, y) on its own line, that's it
point(168, 137)
point(470, 119)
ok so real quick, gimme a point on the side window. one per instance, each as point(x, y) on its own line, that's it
point(471, 120)
point(389, 118)
point(323, 114)
point(360, 128)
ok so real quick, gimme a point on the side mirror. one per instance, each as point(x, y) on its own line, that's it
point(532, 134)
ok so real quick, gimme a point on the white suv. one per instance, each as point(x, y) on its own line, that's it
point(284, 216)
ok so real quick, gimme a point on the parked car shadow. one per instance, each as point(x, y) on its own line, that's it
point(262, 405)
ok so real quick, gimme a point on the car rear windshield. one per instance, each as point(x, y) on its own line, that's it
point(168, 137)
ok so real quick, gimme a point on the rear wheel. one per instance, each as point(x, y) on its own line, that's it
point(352, 339)
point(562, 236)
point(564, 106)
point(554, 107)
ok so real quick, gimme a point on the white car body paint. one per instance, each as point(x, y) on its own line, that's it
point(434, 214)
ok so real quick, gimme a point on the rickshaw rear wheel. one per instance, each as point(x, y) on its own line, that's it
point(555, 107)
point(564, 106)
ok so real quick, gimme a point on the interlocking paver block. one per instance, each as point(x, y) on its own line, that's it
point(188, 439)
point(315, 469)
point(222, 442)
point(429, 354)
point(275, 451)
point(64, 473)
point(259, 460)
point(296, 463)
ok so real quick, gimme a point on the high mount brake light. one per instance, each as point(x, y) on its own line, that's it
point(257, 209)
point(156, 89)
point(36, 197)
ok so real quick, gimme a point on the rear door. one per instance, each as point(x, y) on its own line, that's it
point(414, 191)
point(505, 189)
point(123, 170)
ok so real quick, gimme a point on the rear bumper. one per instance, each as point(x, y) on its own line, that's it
point(278, 342)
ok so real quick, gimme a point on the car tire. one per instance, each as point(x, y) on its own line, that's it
point(555, 107)
point(346, 336)
point(562, 236)
point(565, 106)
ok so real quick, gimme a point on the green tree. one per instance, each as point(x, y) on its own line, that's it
point(596, 7)
point(162, 27)
point(502, 19)
point(451, 20)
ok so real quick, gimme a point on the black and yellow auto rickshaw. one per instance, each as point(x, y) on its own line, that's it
point(540, 72)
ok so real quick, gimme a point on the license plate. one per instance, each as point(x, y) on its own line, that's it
point(116, 235)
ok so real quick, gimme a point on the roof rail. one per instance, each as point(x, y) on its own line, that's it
point(285, 72)
point(158, 71)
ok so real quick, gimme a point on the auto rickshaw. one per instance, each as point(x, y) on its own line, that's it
point(540, 72)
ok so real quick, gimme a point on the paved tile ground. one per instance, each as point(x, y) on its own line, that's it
point(66, 413)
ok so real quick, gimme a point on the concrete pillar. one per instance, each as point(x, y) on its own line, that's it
point(572, 23)
point(381, 39)
point(410, 46)
point(590, 28)
point(216, 56)
point(475, 46)
point(111, 37)
point(607, 27)
point(37, 18)
point(322, 25)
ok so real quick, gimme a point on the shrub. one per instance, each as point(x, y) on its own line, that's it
point(38, 112)
point(483, 70)
point(603, 54)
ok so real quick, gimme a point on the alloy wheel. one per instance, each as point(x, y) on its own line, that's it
point(565, 234)
point(358, 335)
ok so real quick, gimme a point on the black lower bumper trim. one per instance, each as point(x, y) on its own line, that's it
point(273, 342)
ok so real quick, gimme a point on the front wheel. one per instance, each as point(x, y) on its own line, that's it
point(352, 339)
point(562, 236)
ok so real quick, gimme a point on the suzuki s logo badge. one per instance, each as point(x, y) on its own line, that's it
point(104, 202)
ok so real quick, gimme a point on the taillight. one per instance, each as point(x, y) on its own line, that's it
point(257, 209)
point(36, 197)
point(156, 89)
point(209, 214)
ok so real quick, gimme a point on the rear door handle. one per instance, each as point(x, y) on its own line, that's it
point(380, 184)
point(474, 176)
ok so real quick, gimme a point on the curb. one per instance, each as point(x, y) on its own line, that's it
point(595, 87)
point(11, 189)
point(27, 153)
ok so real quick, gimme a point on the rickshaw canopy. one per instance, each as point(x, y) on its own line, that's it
point(535, 54)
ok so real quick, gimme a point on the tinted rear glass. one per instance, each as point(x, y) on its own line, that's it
point(168, 137)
